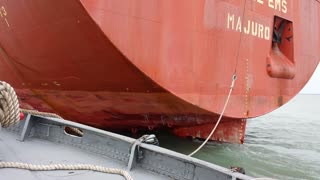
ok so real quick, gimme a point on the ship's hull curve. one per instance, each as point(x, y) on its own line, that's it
point(192, 49)
point(152, 64)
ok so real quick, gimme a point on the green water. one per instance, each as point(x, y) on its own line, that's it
point(284, 144)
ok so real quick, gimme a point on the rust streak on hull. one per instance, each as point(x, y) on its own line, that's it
point(122, 65)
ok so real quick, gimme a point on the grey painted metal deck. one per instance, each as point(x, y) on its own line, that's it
point(43, 141)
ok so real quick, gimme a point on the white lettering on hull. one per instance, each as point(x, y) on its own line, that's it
point(279, 5)
point(249, 27)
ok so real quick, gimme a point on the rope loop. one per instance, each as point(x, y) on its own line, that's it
point(10, 115)
point(234, 78)
point(9, 105)
point(10, 110)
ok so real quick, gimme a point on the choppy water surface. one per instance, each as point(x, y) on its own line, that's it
point(284, 144)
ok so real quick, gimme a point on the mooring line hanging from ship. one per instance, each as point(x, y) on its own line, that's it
point(234, 78)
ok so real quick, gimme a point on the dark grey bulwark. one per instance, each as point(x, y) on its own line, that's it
point(44, 141)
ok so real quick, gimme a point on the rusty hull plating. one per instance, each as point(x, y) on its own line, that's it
point(149, 64)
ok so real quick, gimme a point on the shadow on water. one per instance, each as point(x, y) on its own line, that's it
point(284, 144)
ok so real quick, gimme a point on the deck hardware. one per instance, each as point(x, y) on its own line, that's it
point(26, 128)
point(136, 154)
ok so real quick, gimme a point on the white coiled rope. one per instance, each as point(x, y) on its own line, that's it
point(10, 111)
point(10, 115)
point(9, 106)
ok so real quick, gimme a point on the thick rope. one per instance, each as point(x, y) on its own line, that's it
point(10, 115)
point(46, 114)
point(9, 105)
point(38, 113)
point(10, 111)
point(234, 77)
point(54, 167)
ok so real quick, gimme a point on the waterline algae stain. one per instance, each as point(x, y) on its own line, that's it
point(284, 144)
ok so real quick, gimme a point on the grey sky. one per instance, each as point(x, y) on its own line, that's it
point(313, 86)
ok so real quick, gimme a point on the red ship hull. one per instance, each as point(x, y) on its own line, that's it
point(131, 65)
